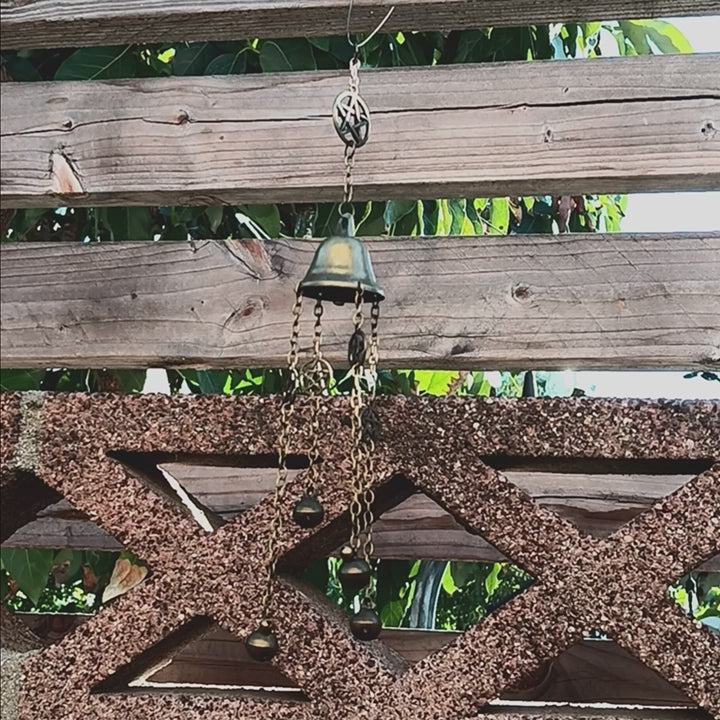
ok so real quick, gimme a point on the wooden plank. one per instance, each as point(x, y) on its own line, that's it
point(590, 672)
point(73, 23)
point(417, 528)
point(608, 125)
point(520, 302)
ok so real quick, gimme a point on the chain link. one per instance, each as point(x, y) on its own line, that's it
point(356, 449)
point(350, 146)
point(349, 167)
point(286, 412)
point(369, 439)
point(318, 370)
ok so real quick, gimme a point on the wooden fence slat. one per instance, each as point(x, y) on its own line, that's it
point(589, 672)
point(40, 23)
point(519, 302)
point(416, 529)
point(592, 671)
point(608, 125)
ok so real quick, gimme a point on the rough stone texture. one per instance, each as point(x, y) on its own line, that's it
point(11, 674)
point(617, 584)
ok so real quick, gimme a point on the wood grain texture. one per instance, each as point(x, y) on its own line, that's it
point(518, 302)
point(590, 672)
point(418, 528)
point(615, 125)
point(73, 23)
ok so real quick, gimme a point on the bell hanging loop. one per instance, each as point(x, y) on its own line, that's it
point(341, 264)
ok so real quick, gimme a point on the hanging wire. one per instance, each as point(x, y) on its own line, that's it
point(356, 46)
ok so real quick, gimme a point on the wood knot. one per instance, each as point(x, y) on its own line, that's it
point(709, 130)
point(521, 293)
point(248, 313)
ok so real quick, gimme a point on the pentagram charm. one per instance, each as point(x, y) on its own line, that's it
point(351, 117)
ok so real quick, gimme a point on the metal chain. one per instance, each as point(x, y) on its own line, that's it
point(318, 369)
point(286, 412)
point(369, 437)
point(369, 442)
point(350, 145)
point(356, 449)
point(349, 167)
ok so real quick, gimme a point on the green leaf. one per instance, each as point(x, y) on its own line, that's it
point(392, 613)
point(637, 36)
point(267, 217)
point(30, 569)
point(287, 55)
point(227, 64)
point(321, 43)
point(448, 583)
point(397, 209)
point(460, 224)
point(127, 223)
point(26, 220)
point(212, 381)
point(99, 63)
point(215, 215)
point(21, 69)
point(668, 39)
point(192, 59)
point(463, 572)
point(499, 216)
point(74, 558)
point(430, 217)
point(492, 581)
point(20, 380)
point(434, 382)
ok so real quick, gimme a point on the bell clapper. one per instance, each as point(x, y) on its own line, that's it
point(262, 645)
point(354, 573)
point(365, 624)
point(308, 512)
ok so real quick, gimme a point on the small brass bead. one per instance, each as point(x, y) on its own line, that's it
point(354, 574)
point(308, 512)
point(262, 645)
point(347, 553)
point(365, 624)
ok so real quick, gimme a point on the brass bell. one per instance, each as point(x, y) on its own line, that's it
point(354, 573)
point(308, 512)
point(365, 624)
point(340, 264)
point(262, 645)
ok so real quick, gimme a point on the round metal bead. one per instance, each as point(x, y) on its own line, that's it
point(308, 512)
point(262, 645)
point(347, 553)
point(354, 574)
point(365, 624)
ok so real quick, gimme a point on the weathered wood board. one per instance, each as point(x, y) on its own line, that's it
point(608, 125)
point(46, 23)
point(473, 303)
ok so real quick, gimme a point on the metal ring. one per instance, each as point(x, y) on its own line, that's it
point(351, 117)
